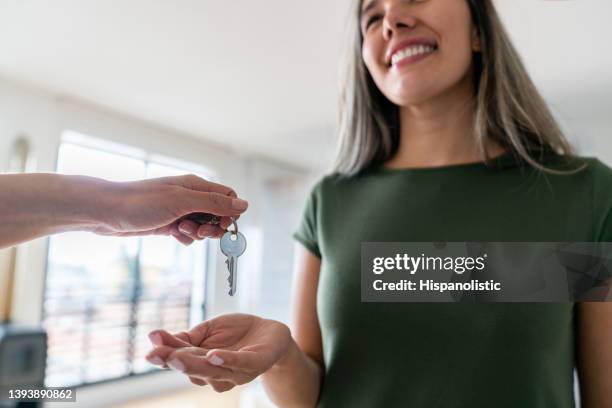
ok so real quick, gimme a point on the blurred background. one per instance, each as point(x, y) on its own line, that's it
point(240, 92)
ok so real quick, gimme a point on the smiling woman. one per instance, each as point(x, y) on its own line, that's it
point(443, 138)
point(457, 51)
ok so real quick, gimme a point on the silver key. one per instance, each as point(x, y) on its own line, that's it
point(233, 244)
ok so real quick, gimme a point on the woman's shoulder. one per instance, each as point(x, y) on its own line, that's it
point(594, 169)
point(601, 170)
point(601, 175)
point(331, 182)
point(584, 172)
point(596, 178)
point(583, 166)
point(601, 181)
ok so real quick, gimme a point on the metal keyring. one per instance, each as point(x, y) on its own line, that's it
point(235, 231)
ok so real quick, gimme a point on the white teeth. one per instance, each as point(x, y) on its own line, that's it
point(410, 52)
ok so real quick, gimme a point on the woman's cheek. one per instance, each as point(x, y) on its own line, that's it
point(368, 53)
point(461, 61)
point(374, 47)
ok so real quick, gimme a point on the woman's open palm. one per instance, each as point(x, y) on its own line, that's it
point(226, 351)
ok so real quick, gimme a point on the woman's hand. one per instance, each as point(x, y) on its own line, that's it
point(159, 206)
point(225, 351)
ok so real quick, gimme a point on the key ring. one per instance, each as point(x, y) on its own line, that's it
point(235, 231)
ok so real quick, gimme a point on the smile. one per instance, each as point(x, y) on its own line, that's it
point(412, 54)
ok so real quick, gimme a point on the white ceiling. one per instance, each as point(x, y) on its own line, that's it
point(258, 76)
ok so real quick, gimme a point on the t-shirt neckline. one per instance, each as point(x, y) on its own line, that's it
point(504, 160)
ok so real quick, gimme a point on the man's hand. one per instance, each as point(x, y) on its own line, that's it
point(39, 204)
point(158, 206)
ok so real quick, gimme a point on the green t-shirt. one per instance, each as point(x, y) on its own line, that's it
point(448, 355)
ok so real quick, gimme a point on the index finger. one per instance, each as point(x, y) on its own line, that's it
point(214, 203)
point(194, 182)
point(197, 334)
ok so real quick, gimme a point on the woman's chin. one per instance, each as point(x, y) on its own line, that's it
point(412, 98)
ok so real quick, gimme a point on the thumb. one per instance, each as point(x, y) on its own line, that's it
point(213, 203)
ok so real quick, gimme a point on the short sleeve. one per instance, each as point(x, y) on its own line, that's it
point(602, 200)
point(307, 232)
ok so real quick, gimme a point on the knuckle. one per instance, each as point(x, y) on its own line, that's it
point(215, 199)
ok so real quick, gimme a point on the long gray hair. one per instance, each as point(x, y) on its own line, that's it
point(508, 107)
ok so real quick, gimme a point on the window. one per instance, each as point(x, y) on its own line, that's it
point(104, 294)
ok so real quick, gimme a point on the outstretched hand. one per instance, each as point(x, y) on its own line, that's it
point(34, 205)
point(160, 206)
point(224, 352)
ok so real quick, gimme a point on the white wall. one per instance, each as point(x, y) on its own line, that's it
point(584, 114)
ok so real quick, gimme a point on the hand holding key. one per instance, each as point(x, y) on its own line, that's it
point(199, 225)
point(169, 206)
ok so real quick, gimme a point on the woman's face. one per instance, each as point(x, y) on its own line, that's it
point(417, 49)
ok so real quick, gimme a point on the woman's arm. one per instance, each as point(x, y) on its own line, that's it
point(35, 205)
point(595, 353)
point(295, 381)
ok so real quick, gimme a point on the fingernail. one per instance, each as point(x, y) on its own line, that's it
point(176, 364)
point(205, 230)
point(156, 360)
point(156, 339)
point(215, 360)
point(239, 204)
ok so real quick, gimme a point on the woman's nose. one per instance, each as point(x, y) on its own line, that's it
point(396, 20)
